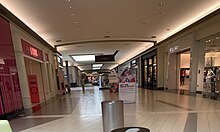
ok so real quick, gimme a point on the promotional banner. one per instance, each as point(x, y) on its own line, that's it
point(127, 89)
point(33, 85)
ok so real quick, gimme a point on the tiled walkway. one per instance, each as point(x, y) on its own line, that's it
point(157, 110)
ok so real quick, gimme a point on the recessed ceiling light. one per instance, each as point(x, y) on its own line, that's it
point(83, 57)
point(68, 0)
point(106, 36)
point(97, 65)
point(162, 13)
point(70, 7)
point(58, 40)
point(153, 36)
point(167, 29)
point(161, 4)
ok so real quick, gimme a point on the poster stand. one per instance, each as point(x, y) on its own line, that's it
point(127, 86)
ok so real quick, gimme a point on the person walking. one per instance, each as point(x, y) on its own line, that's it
point(83, 83)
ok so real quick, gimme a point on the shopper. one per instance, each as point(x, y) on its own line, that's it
point(83, 83)
point(68, 88)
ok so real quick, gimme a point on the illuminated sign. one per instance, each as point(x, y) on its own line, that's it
point(33, 52)
point(173, 49)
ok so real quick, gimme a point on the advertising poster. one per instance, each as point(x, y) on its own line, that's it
point(127, 90)
point(113, 82)
point(33, 85)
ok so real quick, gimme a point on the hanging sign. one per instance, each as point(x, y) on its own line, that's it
point(33, 85)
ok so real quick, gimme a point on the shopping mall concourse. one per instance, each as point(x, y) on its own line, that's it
point(109, 66)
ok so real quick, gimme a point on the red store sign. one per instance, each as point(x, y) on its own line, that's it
point(31, 51)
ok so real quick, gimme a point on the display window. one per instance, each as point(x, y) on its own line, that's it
point(211, 81)
point(149, 64)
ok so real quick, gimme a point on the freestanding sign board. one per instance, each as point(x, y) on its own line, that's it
point(33, 85)
point(113, 82)
point(127, 91)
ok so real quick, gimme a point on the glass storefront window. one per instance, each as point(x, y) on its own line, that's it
point(212, 63)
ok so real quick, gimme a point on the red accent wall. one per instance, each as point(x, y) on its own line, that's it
point(10, 92)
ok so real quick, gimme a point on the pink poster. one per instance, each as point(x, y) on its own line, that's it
point(33, 85)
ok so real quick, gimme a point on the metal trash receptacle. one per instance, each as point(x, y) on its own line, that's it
point(131, 129)
point(112, 115)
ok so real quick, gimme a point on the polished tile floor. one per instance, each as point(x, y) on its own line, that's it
point(157, 110)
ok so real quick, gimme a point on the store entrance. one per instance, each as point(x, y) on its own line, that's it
point(184, 69)
point(150, 72)
point(35, 82)
point(178, 72)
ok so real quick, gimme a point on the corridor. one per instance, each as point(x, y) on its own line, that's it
point(157, 110)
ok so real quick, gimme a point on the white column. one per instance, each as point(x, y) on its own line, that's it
point(201, 65)
point(172, 71)
point(21, 71)
point(26, 98)
point(45, 75)
point(194, 58)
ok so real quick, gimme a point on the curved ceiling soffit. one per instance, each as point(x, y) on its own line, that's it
point(103, 41)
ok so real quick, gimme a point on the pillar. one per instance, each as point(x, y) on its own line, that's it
point(67, 73)
point(194, 59)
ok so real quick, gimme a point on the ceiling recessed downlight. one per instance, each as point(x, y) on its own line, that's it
point(59, 40)
point(83, 57)
point(161, 4)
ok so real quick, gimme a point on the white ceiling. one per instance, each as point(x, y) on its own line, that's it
point(84, 20)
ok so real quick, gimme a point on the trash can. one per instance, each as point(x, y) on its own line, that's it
point(112, 115)
point(131, 129)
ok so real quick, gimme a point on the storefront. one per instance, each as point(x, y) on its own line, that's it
point(35, 64)
point(149, 70)
point(37, 68)
point(58, 60)
point(135, 69)
point(10, 90)
point(178, 64)
point(209, 72)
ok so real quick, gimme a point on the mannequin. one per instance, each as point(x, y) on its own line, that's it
point(218, 80)
point(210, 75)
